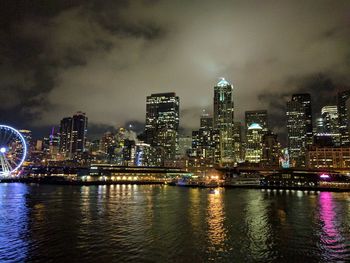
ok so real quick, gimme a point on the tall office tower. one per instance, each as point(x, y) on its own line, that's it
point(79, 131)
point(259, 117)
point(237, 137)
point(224, 121)
point(73, 132)
point(253, 152)
point(344, 117)
point(305, 100)
point(108, 144)
point(162, 123)
point(331, 123)
point(65, 136)
point(204, 140)
point(296, 132)
point(271, 149)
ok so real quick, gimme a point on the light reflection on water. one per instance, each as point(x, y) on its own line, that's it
point(215, 220)
point(13, 223)
point(135, 223)
point(334, 244)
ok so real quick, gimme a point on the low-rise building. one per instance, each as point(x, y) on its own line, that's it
point(328, 157)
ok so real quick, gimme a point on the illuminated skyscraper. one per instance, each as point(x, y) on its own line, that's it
point(271, 149)
point(296, 129)
point(162, 123)
point(73, 132)
point(107, 147)
point(237, 137)
point(65, 136)
point(204, 141)
point(79, 131)
point(305, 100)
point(344, 117)
point(224, 121)
point(331, 123)
point(253, 152)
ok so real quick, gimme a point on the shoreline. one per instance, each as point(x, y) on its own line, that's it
point(228, 186)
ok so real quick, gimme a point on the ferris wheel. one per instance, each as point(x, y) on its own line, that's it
point(13, 150)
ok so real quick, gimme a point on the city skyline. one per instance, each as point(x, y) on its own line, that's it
point(175, 131)
point(68, 57)
point(220, 141)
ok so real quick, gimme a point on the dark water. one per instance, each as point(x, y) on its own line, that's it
point(171, 224)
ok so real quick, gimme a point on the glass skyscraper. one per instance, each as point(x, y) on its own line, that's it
point(344, 116)
point(299, 128)
point(330, 120)
point(224, 121)
point(73, 132)
point(162, 123)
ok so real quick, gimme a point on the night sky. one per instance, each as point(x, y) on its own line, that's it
point(105, 57)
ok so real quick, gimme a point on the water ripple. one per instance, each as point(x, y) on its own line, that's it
point(170, 224)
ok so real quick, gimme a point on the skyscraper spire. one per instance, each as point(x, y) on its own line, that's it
point(222, 82)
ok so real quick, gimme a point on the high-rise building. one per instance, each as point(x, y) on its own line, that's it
point(162, 123)
point(237, 138)
point(108, 144)
point(204, 141)
point(79, 131)
point(296, 131)
point(259, 117)
point(344, 117)
point(65, 136)
point(73, 132)
point(224, 121)
point(253, 152)
point(305, 100)
point(331, 123)
point(144, 155)
point(271, 149)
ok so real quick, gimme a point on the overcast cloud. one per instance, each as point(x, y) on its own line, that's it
point(105, 57)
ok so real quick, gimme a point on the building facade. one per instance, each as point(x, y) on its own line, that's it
point(330, 119)
point(344, 117)
point(205, 141)
point(328, 157)
point(73, 131)
point(296, 133)
point(224, 121)
point(305, 100)
point(237, 138)
point(253, 153)
point(162, 123)
point(271, 149)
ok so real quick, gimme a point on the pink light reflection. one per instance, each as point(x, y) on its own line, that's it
point(330, 236)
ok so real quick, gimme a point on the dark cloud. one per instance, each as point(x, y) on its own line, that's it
point(105, 57)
